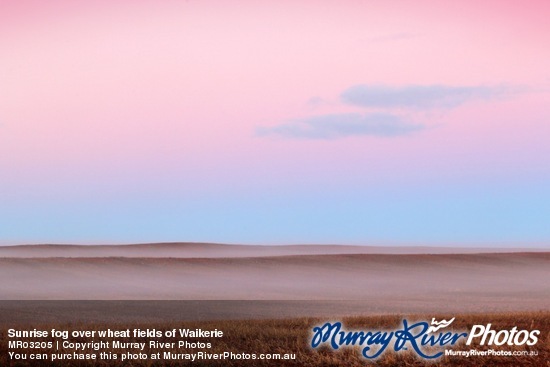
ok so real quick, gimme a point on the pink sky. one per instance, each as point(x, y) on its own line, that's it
point(99, 100)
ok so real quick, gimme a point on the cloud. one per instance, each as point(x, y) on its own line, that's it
point(392, 104)
point(416, 96)
point(316, 101)
point(343, 125)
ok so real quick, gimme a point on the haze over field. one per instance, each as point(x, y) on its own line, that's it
point(391, 282)
point(208, 250)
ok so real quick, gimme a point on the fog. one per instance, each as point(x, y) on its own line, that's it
point(394, 283)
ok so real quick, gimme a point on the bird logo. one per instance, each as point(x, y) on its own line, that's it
point(436, 325)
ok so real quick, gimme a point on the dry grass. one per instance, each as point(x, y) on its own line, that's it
point(292, 336)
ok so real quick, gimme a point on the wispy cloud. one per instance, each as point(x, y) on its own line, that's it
point(392, 104)
point(316, 101)
point(343, 125)
point(417, 96)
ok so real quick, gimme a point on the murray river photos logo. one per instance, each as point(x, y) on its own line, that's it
point(427, 340)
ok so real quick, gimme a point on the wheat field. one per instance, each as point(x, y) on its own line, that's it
point(293, 336)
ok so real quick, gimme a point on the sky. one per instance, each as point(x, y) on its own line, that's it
point(269, 122)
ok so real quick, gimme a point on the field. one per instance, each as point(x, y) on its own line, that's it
point(267, 299)
point(292, 336)
point(394, 282)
